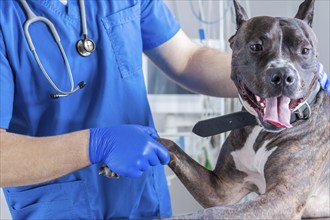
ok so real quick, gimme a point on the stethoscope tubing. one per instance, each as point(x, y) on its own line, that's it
point(32, 18)
point(83, 17)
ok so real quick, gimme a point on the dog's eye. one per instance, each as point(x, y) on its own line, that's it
point(305, 51)
point(256, 47)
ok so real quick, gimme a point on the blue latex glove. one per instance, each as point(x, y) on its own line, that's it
point(323, 78)
point(127, 150)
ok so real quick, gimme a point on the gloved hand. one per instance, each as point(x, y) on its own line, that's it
point(323, 79)
point(127, 150)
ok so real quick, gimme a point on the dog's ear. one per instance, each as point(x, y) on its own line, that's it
point(241, 16)
point(231, 41)
point(306, 12)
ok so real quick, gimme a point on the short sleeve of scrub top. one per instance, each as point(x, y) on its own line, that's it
point(155, 14)
point(6, 87)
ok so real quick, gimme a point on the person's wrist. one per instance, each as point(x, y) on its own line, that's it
point(93, 146)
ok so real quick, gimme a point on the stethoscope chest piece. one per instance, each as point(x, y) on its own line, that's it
point(85, 47)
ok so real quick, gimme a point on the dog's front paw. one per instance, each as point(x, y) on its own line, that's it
point(107, 172)
point(171, 146)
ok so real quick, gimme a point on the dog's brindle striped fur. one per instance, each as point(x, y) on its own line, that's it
point(288, 169)
point(296, 173)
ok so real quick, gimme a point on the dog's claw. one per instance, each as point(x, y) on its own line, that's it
point(107, 172)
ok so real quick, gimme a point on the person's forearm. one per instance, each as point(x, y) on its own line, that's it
point(28, 160)
point(202, 70)
point(208, 72)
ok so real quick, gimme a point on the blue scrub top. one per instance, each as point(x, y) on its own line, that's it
point(115, 94)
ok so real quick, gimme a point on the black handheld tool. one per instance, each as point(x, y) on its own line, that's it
point(217, 125)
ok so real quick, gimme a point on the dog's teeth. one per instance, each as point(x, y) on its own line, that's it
point(262, 104)
point(257, 98)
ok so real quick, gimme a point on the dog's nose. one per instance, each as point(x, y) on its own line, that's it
point(282, 76)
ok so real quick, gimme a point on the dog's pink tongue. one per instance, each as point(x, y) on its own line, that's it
point(277, 112)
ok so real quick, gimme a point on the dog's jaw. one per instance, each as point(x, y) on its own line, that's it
point(265, 125)
point(273, 113)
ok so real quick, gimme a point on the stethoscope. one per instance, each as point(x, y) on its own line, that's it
point(84, 46)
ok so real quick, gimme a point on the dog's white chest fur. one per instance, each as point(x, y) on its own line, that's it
point(252, 163)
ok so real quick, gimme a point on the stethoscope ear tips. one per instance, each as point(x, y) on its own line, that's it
point(85, 47)
point(54, 96)
point(82, 84)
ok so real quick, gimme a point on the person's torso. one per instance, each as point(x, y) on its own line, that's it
point(114, 91)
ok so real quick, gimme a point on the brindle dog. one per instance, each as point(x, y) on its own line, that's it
point(274, 66)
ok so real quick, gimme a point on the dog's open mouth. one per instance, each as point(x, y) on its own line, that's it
point(274, 110)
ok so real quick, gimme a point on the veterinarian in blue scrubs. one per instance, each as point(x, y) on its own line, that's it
point(56, 135)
